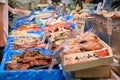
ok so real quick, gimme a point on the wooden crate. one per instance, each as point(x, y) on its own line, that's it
point(86, 64)
point(96, 72)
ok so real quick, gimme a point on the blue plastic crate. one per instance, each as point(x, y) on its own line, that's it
point(41, 74)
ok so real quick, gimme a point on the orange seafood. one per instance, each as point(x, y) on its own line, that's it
point(89, 46)
point(28, 27)
point(61, 26)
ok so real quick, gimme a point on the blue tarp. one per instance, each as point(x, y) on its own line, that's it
point(40, 74)
point(56, 74)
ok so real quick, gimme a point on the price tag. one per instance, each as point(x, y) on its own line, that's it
point(44, 37)
point(99, 6)
point(109, 26)
point(80, 26)
point(49, 47)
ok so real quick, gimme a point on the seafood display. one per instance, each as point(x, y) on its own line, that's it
point(60, 26)
point(22, 33)
point(89, 46)
point(112, 14)
point(106, 14)
point(80, 13)
point(18, 32)
point(28, 60)
point(85, 52)
point(31, 26)
point(83, 43)
point(26, 43)
point(61, 35)
point(57, 35)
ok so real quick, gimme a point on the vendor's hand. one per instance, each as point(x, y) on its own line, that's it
point(2, 38)
point(19, 11)
point(14, 12)
point(24, 12)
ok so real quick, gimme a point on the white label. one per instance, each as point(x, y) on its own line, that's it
point(44, 36)
point(99, 6)
point(109, 26)
point(49, 47)
point(80, 26)
point(79, 57)
point(85, 56)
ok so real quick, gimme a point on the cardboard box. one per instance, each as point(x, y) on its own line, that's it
point(96, 72)
point(81, 64)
